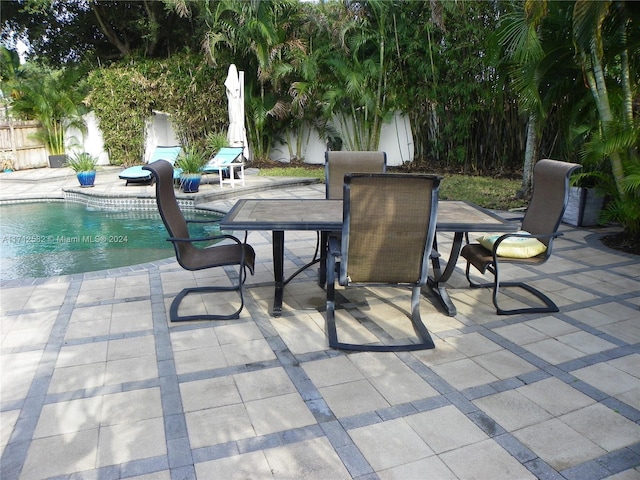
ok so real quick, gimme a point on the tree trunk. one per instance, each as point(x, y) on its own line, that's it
point(601, 96)
point(624, 66)
point(530, 154)
point(108, 32)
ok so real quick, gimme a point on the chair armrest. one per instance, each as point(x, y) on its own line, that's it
point(502, 238)
point(204, 239)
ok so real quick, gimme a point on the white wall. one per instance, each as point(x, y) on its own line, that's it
point(91, 142)
point(395, 139)
point(160, 132)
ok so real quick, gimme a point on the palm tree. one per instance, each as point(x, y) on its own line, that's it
point(54, 99)
point(600, 35)
point(9, 73)
point(541, 67)
point(588, 31)
point(357, 95)
point(521, 38)
point(259, 32)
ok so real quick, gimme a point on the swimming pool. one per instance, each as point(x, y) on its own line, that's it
point(45, 239)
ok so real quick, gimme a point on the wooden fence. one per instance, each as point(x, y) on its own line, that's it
point(18, 146)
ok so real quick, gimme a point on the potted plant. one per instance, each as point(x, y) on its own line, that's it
point(584, 206)
point(84, 164)
point(7, 165)
point(191, 162)
point(54, 98)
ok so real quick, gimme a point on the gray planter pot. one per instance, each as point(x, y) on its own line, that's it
point(57, 161)
point(584, 207)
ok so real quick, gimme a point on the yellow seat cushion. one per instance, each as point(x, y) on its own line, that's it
point(514, 247)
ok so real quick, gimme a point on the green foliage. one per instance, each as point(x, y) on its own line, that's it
point(215, 141)
point(98, 31)
point(54, 98)
point(184, 86)
point(191, 160)
point(624, 208)
point(570, 69)
point(82, 162)
point(267, 42)
point(462, 113)
point(121, 99)
point(356, 90)
point(192, 91)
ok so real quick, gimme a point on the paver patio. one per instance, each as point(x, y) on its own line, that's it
point(97, 383)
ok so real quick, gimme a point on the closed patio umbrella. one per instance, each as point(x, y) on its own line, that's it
point(237, 134)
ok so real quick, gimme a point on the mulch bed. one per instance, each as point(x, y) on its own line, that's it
point(623, 243)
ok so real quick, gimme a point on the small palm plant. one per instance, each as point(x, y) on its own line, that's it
point(84, 164)
point(55, 100)
point(191, 161)
point(216, 141)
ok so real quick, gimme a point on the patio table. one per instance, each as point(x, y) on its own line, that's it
point(320, 215)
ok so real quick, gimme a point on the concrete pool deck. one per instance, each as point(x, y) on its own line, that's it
point(96, 383)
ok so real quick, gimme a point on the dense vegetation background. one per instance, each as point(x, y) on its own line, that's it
point(489, 86)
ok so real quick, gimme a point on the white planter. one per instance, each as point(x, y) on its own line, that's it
point(584, 207)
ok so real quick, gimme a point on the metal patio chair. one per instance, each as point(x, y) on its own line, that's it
point(336, 166)
point(389, 223)
point(541, 222)
point(191, 257)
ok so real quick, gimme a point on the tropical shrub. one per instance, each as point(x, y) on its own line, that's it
point(52, 97)
point(121, 100)
point(184, 86)
point(215, 141)
point(82, 162)
point(191, 160)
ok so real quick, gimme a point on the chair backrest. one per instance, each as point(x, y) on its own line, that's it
point(225, 155)
point(338, 164)
point(170, 212)
point(170, 154)
point(550, 197)
point(389, 223)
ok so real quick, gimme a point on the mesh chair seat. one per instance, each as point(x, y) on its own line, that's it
point(191, 257)
point(389, 223)
point(336, 166)
point(541, 221)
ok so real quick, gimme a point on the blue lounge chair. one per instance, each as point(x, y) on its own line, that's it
point(137, 175)
point(224, 163)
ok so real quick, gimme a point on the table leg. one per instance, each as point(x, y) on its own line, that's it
point(322, 270)
point(278, 271)
point(437, 282)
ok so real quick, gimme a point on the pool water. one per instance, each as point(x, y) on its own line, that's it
point(48, 239)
